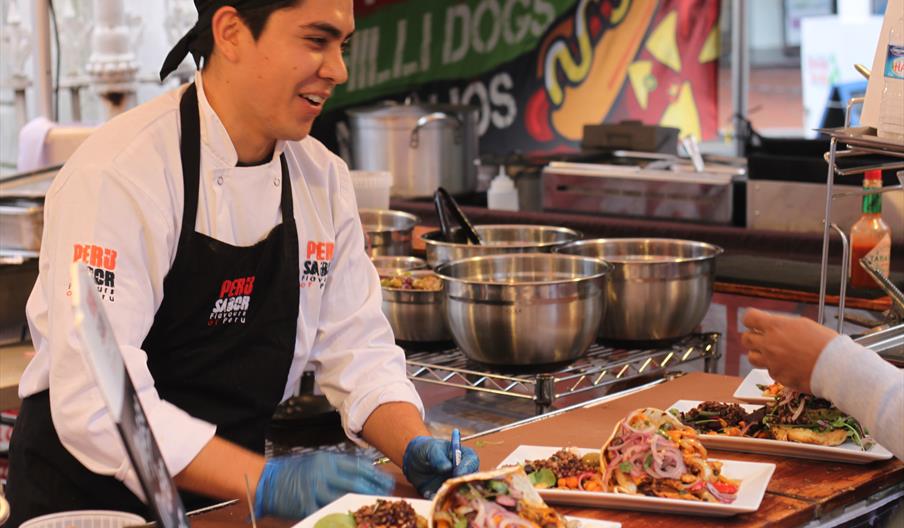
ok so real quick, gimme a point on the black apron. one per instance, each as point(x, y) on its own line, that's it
point(220, 348)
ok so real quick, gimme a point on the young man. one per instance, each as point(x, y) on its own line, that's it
point(228, 250)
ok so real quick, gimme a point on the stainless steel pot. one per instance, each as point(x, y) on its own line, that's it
point(496, 239)
point(387, 232)
point(424, 146)
point(530, 309)
point(659, 289)
point(416, 315)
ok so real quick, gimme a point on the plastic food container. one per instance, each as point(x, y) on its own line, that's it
point(85, 519)
point(371, 188)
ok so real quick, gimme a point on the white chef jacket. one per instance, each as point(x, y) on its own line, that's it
point(117, 206)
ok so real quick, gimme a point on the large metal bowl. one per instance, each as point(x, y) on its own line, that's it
point(416, 315)
point(388, 265)
point(496, 239)
point(659, 288)
point(529, 309)
point(387, 232)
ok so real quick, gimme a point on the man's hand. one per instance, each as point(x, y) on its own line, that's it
point(787, 346)
point(297, 486)
point(428, 463)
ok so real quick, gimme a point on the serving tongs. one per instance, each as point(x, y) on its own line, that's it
point(446, 208)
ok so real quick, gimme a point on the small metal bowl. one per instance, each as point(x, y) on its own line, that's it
point(387, 232)
point(496, 239)
point(659, 288)
point(393, 265)
point(524, 310)
point(416, 315)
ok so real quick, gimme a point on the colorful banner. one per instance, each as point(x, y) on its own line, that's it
point(539, 70)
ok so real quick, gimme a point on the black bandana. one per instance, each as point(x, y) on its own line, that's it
point(188, 43)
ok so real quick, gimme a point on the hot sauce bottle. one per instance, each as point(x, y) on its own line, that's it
point(870, 236)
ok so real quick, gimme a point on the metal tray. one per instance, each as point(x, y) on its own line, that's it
point(21, 224)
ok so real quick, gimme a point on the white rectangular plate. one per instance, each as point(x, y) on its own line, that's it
point(846, 452)
point(749, 392)
point(754, 477)
point(351, 502)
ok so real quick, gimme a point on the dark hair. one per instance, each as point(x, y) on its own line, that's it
point(254, 17)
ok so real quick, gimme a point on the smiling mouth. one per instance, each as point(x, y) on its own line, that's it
point(315, 100)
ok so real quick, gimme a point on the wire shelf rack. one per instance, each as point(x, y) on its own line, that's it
point(600, 367)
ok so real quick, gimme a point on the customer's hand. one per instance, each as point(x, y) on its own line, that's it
point(787, 346)
point(428, 463)
point(297, 486)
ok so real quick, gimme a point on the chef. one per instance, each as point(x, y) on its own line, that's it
point(226, 246)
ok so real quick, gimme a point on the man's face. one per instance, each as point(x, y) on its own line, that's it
point(293, 67)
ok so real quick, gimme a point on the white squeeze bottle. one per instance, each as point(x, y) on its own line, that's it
point(502, 193)
point(891, 111)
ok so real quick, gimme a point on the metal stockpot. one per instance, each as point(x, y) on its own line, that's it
point(424, 146)
point(387, 232)
point(416, 315)
point(496, 239)
point(659, 289)
point(530, 309)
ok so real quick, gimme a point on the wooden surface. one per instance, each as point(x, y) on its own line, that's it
point(799, 491)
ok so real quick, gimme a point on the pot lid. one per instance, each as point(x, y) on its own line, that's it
point(392, 109)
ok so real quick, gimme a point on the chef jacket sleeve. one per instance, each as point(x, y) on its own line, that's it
point(356, 361)
point(106, 219)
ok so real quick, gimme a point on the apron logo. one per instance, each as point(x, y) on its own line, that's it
point(102, 263)
point(317, 264)
point(232, 304)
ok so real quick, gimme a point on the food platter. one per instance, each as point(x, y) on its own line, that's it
point(846, 452)
point(748, 391)
point(352, 501)
point(754, 477)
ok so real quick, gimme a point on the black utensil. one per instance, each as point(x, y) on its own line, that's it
point(446, 206)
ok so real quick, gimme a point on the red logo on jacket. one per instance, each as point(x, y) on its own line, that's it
point(317, 264)
point(233, 302)
point(102, 263)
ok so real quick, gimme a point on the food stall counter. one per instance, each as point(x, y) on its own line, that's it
point(799, 492)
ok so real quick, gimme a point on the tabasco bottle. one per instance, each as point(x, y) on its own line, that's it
point(870, 236)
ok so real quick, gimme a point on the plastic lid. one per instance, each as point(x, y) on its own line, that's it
point(873, 175)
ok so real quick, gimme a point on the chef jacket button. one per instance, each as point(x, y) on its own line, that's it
point(276, 182)
point(219, 180)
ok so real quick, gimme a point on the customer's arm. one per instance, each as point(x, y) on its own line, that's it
point(806, 356)
point(865, 386)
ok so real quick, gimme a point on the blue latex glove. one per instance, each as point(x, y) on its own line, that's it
point(297, 486)
point(428, 463)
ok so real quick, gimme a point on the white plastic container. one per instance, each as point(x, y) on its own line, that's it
point(891, 111)
point(502, 194)
point(85, 519)
point(372, 188)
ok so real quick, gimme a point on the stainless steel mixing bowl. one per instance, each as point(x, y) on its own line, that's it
point(387, 232)
point(496, 239)
point(393, 265)
point(416, 315)
point(528, 309)
point(659, 288)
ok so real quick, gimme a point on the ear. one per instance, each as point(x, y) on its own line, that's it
point(228, 31)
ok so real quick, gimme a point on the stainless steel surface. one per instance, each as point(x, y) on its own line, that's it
point(496, 239)
point(740, 71)
point(845, 263)
point(659, 288)
point(424, 146)
point(393, 265)
point(416, 315)
point(524, 309)
point(32, 184)
point(21, 225)
point(888, 343)
point(897, 298)
point(387, 232)
point(639, 192)
point(800, 207)
point(601, 367)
